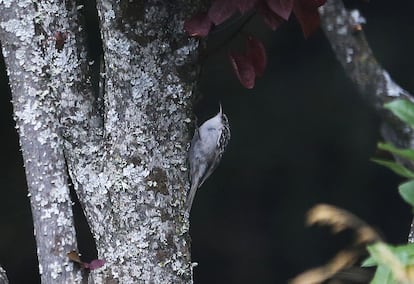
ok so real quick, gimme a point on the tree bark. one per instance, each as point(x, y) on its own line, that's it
point(125, 153)
point(34, 68)
point(150, 74)
point(343, 30)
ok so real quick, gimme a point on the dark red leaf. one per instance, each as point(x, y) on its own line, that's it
point(319, 2)
point(221, 10)
point(198, 26)
point(312, 4)
point(94, 264)
point(308, 17)
point(281, 7)
point(245, 5)
point(270, 18)
point(257, 55)
point(243, 68)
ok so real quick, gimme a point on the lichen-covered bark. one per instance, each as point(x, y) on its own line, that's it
point(127, 157)
point(342, 28)
point(150, 73)
point(37, 72)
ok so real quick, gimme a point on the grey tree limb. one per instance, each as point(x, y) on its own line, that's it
point(37, 72)
point(373, 82)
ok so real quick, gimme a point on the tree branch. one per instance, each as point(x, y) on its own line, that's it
point(373, 82)
point(82, 122)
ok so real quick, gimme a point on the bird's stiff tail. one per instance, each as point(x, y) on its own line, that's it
point(190, 198)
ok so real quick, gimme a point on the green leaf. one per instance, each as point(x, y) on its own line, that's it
point(407, 192)
point(395, 167)
point(383, 253)
point(383, 275)
point(394, 262)
point(370, 261)
point(405, 153)
point(405, 254)
point(387, 258)
point(404, 109)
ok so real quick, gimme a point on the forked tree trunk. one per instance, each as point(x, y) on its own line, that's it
point(125, 151)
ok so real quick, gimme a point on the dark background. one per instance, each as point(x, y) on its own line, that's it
point(302, 136)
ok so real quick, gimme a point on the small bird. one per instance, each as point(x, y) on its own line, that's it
point(207, 148)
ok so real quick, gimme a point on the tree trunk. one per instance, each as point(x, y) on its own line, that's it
point(34, 67)
point(125, 152)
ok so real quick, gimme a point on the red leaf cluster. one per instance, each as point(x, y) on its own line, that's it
point(274, 12)
point(251, 64)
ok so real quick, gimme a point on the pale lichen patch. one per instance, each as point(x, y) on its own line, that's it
point(55, 269)
point(356, 17)
point(22, 29)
